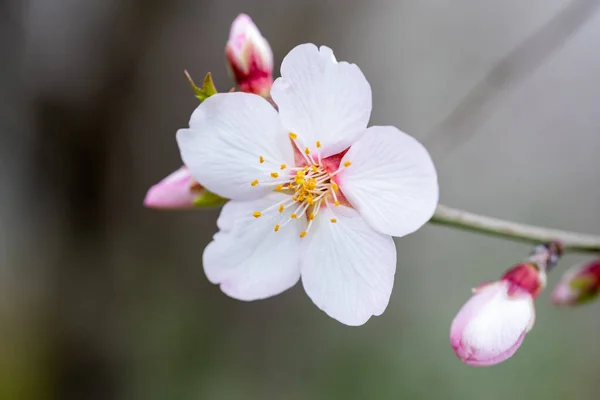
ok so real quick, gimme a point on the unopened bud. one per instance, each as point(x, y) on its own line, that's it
point(492, 324)
point(249, 57)
point(580, 284)
point(180, 190)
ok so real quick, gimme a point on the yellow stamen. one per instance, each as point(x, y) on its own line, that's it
point(315, 169)
point(281, 208)
point(333, 220)
point(318, 144)
point(254, 182)
point(347, 164)
point(283, 166)
point(293, 216)
point(334, 186)
point(257, 214)
point(307, 151)
point(337, 203)
point(274, 175)
point(311, 216)
point(293, 135)
point(310, 200)
point(302, 234)
point(276, 228)
point(261, 159)
point(300, 174)
point(278, 187)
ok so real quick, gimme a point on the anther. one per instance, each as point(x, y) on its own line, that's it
point(347, 164)
point(293, 135)
point(276, 228)
point(274, 175)
point(283, 166)
point(254, 182)
point(315, 169)
point(333, 220)
point(261, 159)
point(293, 216)
point(256, 214)
point(311, 216)
point(307, 151)
point(281, 208)
point(278, 187)
point(337, 203)
point(302, 234)
point(334, 186)
point(318, 144)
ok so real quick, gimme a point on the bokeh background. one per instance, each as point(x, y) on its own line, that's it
point(103, 299)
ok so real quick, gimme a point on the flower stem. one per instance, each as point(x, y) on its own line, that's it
point(572, 241)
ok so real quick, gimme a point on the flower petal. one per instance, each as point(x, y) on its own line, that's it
point(391, 181)
point(322, 100)
point(228, 134)
point(347, 267)
point(247, 257)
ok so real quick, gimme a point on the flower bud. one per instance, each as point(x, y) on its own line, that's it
point(580, 284)
point(249, 57)
point(491, 326)
point(180, 191)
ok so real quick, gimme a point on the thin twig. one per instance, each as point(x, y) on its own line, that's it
point(572, 241)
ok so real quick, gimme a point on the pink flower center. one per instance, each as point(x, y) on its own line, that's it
point(311, 184)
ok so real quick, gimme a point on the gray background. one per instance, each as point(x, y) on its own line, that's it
point(103, 299)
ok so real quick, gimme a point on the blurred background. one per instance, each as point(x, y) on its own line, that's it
point(103, 299)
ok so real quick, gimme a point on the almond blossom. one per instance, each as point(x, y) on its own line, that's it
point(315, 194)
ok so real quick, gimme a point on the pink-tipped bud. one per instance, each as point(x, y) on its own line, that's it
point(580, 284)
point(249, 57)
point(491, 326)
point(177, 191)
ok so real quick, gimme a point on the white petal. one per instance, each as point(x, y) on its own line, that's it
point(391, 181)
point(322, 100)
point(348, 268)
point(247, 257)
point(228, 134)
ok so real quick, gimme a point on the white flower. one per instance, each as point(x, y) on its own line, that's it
point(315, 194)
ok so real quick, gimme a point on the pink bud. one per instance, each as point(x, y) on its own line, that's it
point(249, 57)
point(178, 190)
point(491, 326)
point(580, 284)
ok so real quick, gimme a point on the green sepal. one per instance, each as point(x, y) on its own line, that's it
point(208, 87)
point(209, 199)
point(585, 286)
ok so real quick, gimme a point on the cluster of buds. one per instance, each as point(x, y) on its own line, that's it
point(491, 326)
point(250, 61)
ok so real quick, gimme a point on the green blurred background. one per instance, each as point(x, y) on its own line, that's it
point(103, 299)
